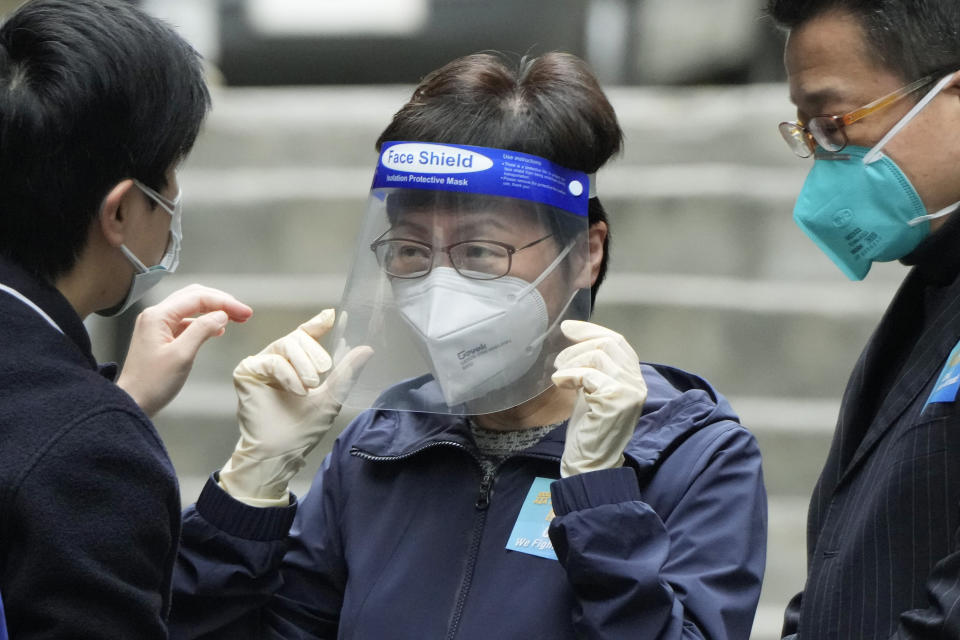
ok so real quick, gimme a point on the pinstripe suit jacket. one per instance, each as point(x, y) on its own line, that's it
point(882, 532)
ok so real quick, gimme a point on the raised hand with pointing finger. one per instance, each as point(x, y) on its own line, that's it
point(605, 370)
point(288, 398)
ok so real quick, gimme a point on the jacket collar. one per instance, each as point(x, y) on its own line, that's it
point(937, 264)
point(397, 435)
point(937, 258)
point(51, 302)
point(934, 345)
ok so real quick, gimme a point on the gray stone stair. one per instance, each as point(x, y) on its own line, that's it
point(709, 272)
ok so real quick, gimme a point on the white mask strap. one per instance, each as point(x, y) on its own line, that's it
point(548, 270)
point(932, 216)
point(134, 260)
point(877, 151)
point(170, 206)
point(536, 343)
point(593, 184)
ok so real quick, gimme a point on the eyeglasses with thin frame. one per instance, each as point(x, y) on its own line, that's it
point(828, 131)
point(475, 259)
point(175, 209)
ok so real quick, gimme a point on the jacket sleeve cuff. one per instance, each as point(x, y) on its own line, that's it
point(593, 489)
point(228, 514)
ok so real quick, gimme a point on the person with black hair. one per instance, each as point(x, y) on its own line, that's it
point(99, 103)
point(527, 477)
point(877, 92)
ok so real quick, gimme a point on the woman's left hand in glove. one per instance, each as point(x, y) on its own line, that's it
point(605, 371)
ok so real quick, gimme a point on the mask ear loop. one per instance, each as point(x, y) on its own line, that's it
point(546, 272)
point(932, 216)
point(170, 206)
point(171, 257)
point(553, 325)
point(877, 151)
point(134, 260)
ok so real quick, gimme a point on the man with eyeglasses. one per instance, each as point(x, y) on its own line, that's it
point(99, 104)
point(877, 91)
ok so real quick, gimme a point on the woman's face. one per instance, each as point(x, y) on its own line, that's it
point(512, 226)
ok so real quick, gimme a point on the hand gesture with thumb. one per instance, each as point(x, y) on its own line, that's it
point(605, 370)
point(288, 398)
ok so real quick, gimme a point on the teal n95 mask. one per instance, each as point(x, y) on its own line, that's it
point(859, 207)
point(467, 261)
point(146, 277)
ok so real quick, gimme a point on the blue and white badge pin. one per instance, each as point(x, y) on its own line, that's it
point(530, 533)
point(948, 384)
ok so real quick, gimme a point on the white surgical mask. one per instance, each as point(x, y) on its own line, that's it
point(147, 277)
point(479, 335)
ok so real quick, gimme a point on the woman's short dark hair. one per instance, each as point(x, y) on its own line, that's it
point(551, 106)
point(91, 92)
point(912, 38)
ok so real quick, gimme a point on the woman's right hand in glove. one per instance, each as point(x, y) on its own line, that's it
point(288, 398)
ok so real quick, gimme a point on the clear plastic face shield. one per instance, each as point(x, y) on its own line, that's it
point(468, 260)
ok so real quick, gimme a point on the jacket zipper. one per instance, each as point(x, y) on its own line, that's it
point(481, 504)
point(483, 501)
point(480, 521)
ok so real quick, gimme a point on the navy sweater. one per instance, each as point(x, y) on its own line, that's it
point(89, 505)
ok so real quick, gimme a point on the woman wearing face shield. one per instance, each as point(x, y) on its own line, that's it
point(520, 473)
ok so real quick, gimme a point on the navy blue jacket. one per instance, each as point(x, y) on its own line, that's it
point(401, 536)
point(89, 504)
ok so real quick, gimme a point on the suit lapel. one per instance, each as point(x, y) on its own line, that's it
point(923, 363)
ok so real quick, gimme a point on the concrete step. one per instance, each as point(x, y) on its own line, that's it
point(794, 434)
point(338, 125)
point(721, 219)
point(786, 564)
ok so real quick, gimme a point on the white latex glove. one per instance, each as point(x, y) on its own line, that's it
point(166, 338)
point(284, 410)
point(605, 370)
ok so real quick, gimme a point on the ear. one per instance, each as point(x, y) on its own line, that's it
point(113, 218)
point(953, 87)
point(596, 235)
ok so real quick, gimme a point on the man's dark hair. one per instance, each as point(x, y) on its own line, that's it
point(551, 106)
point(91, 92)
point(912, 38)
